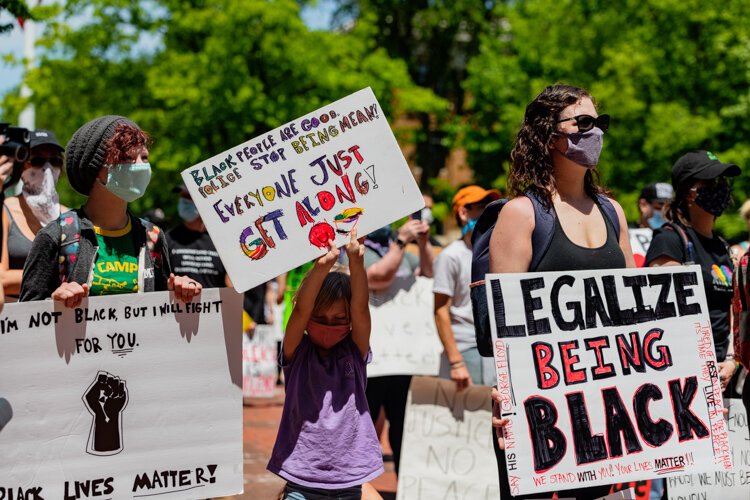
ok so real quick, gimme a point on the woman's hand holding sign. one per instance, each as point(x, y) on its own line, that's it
point(184, 287)
point(497, 421)
point(71, 293)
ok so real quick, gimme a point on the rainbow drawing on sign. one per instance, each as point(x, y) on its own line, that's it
point(349, 217)
point(256, 249)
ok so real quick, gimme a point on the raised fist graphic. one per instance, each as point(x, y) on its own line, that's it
point(105, 399)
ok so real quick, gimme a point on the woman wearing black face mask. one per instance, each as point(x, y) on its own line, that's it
point(702, 193)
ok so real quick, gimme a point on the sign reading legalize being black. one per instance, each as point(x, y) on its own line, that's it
point(606, 376)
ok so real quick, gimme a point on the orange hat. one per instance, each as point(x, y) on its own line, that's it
point(473, 194)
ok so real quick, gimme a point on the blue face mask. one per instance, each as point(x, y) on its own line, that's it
point(128, 181)
point(656, 220)
point(468, 227)
point(187, 210)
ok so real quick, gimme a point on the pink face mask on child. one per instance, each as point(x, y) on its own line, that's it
point(327, 336)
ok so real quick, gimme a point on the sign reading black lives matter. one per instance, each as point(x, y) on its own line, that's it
point(273, 203)
point(606, 376)
point(124, 397)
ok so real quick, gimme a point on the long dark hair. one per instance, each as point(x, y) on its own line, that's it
point(676, 210)
point(531, 162)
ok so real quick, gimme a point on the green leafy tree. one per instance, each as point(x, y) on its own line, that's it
point(673, 75)
point(436, 38)
point(17, 9)
point(202, 76)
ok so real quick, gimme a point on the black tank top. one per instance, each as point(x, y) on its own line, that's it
point(564, 255)
point(19, 245)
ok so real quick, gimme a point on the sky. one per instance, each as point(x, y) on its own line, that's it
point(317, 17)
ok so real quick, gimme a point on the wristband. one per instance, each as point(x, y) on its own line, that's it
point(401, 243)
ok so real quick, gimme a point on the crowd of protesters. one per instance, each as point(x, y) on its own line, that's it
point(328, 442)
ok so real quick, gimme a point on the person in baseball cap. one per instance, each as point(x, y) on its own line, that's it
point(36, 205)
point(651, 203)
point(454, 320)
point(40, 137)
point(468, 204)
point(702, 193)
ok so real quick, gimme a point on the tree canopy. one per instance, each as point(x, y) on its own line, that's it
point(17, 9)
point(674, 75)
point(204, 75)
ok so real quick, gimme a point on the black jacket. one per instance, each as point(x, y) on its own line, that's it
point(42, 271)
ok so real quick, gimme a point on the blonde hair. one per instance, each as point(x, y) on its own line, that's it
point(745, 210)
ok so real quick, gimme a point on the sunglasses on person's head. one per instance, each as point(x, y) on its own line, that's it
point(39, 161)
point(587, 122)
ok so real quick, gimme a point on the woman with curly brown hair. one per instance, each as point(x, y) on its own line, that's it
point(553, 170)
point(101, 248)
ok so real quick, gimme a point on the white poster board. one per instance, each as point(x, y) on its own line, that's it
point(273, 202)
point(725, 485)
point(640, 240)
point(127, 396)
point(606, 376)
point(404, 340)
point(259, 362)
point(447, 448)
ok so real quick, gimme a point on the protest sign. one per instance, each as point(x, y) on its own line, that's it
point(640, 239)
point(404, 340)
point(640, 490)
point(259, 362)
point(273, 202)
point(125, 396)
point(606, 376)
point(447, 448)
point(727, 485)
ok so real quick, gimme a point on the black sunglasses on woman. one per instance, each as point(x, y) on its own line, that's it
point(587, 122)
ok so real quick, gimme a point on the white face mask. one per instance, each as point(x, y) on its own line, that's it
point(40, 194)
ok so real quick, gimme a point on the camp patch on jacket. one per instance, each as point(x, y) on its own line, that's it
point(116, 266)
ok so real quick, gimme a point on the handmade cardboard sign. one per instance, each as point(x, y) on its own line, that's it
point(259, 362)
point(447, 448)
point(606, 376)
point(274, 202)
point(640, 240)
point(404, 340)
point(727, 485)
point(126, 396)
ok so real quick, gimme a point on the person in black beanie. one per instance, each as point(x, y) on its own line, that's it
point(101, 248)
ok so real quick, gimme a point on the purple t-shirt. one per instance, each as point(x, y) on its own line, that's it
point(326, 437)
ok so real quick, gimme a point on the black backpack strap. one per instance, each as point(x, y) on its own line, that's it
point(544, 228)
point(610, 212)
point(480, 241)
point(687, 245)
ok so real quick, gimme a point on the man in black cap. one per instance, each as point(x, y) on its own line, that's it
point(651, 203)
point(191, 250)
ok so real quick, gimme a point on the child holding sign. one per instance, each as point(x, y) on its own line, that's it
point(327, 445)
